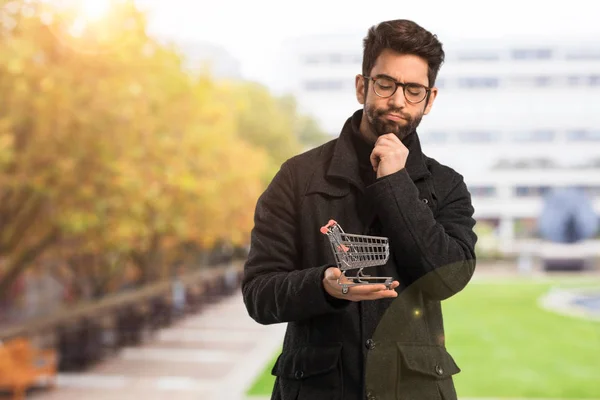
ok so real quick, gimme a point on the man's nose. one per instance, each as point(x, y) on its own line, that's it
point(397, 100)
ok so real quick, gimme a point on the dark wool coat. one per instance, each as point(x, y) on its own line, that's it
point(341, 350)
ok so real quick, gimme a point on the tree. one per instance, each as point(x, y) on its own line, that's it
point(111, 151)
point(306, 128)
point(264, 121)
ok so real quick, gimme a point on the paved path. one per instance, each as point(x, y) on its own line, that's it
point(214, 355)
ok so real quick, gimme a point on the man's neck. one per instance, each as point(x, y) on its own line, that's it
point(365, 131)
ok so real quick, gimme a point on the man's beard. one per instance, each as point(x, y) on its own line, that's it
point(381, 126)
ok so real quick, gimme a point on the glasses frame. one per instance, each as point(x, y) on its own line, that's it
point(403, 85)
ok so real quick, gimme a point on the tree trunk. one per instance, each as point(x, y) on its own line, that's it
point(147, 260)
point(24, 260)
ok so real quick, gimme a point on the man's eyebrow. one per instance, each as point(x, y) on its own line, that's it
point(394, 79)
point(385, 76)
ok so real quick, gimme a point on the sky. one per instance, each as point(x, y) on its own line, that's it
point(253, 31)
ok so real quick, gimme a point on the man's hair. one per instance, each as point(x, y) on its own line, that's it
point(405, 37)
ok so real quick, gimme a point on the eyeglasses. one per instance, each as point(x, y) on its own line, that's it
point(386, 87)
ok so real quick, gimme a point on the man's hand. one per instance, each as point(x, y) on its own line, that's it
point(389, 155)
point(355, 293)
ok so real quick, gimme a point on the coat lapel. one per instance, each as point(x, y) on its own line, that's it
point(336, 177)
point(342, 171)
point(415, 164)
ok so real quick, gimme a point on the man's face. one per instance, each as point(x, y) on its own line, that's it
point(393, 114)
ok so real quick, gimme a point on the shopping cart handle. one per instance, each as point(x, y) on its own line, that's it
point(325, 229)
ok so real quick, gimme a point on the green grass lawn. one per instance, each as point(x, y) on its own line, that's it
point(507, 346)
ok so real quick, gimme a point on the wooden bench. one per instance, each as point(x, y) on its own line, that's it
point(22, 366)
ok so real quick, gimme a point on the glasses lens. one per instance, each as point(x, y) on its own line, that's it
point(385, 87)
point(414, 93)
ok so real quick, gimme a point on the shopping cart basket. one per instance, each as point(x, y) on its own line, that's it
point(357, 252)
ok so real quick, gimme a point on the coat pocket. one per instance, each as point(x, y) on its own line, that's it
point(426, 372)
point(310, 372)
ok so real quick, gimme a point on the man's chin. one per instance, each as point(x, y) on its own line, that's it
point(384, 129)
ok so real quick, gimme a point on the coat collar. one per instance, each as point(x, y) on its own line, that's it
point(344, 164)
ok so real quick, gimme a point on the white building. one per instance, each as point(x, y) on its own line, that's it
point(515, 116)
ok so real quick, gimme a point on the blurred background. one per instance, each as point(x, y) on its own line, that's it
point(136, 137)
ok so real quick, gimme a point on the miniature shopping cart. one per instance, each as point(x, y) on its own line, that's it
point(357, 252)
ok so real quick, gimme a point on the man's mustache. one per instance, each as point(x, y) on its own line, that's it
point(404, 115)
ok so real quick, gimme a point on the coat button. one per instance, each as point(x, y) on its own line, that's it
point(370, 344)
point(299, 374)
point(439, 370)
point(425, 201)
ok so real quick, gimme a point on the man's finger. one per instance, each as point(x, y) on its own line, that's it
point(332, 273)
point(375, 157)
point(382, 294)
point(388, 136)
point(367, 290)
point(378, 286)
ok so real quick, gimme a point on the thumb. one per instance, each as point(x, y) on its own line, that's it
point(332, 273)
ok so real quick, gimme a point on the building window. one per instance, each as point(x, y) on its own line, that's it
point(483, 191)
point(324, 85)
point(583, 54)
point(532, 54)
point(478, 136)
point(531, 191)
point(331, 59)
point(575, 80)
point(335, 58)
point(479, 82)
point(483, 56)
point(436, 137)
point(534, 163)
point(534, 136)
point(520, 82)
point(312, 59)
point(584, 80)
point(542, 81)
point(583, 135)
point(522, 191)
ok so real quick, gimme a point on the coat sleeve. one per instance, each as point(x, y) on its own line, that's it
point(274, 287)
point(437, 253)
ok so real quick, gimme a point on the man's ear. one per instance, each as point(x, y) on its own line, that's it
point(431, 98)
point(360, 88)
